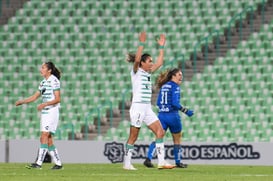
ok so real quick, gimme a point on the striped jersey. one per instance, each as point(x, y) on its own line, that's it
point(142, 86)
point(168, 99)
point(47, 88)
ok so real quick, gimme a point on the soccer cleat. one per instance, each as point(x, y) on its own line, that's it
point(166, 166)
point(181, 165)
point(34, 165)
point(57, 167)
point(148, 163)
point(130, 167)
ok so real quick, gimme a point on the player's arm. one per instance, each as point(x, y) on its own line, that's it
point(178, 106)
point(175, 99)
point(32, 98)
point(57, 94)
point(161, 42)
point(142, 39)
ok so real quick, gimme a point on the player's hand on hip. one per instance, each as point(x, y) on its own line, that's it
point(41, 106)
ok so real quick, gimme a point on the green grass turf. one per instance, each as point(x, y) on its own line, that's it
point(114, 172)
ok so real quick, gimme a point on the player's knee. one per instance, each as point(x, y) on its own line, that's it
point(160, 133)
point(44, 137)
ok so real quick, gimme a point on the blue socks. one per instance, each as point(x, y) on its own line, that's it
point(151, 150)
point(177, 153)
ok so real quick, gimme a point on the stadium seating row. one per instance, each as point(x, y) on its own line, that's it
point(88, 41)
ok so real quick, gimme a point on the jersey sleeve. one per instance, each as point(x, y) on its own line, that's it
point(176, 98)
point(40, 86)
point(56, 84)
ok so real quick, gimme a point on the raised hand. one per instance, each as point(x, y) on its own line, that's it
point(161, 40)
point(142, 37)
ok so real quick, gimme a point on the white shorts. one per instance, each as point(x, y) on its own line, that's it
point(140, 112)
point(49, 119)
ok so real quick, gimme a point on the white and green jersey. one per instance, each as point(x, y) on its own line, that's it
point(142, 86)
point(47, 88)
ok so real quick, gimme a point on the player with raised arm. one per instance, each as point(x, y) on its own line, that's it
point(141, 109)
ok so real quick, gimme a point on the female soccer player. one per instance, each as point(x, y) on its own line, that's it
point(141, 110)
point(168, 102)
point(49, 90)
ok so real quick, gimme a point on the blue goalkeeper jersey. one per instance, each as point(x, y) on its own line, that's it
point(168, 99)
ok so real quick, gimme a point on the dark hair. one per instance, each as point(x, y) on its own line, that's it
point(144, 57)
point(166, 76)
point(131, 57)
point(54, 70)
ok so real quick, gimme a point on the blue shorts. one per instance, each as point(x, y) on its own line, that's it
point(171, 121)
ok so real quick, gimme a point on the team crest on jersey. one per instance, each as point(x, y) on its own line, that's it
point(43, 90)
point(114, 152)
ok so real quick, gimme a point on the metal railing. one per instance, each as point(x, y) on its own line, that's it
point(178, 61)
point(97, 111)
point(234, 18)
point(206, 40)
point(108, 104)
point(65, 127)
point(123, 100)
point(263, 8)
point(86, 125)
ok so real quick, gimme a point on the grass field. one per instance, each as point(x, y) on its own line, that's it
point(114, 172)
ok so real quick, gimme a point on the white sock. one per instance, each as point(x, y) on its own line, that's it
point(42, 153)
point(54, 155)
point(128, 155)
point(160, 153)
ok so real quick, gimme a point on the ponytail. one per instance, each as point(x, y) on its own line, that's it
point(54, 70)
point(166, 76)
point(131, 57)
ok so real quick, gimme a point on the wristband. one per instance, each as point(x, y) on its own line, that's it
point(184, 110)
point(161, 47)
point(141, 44)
